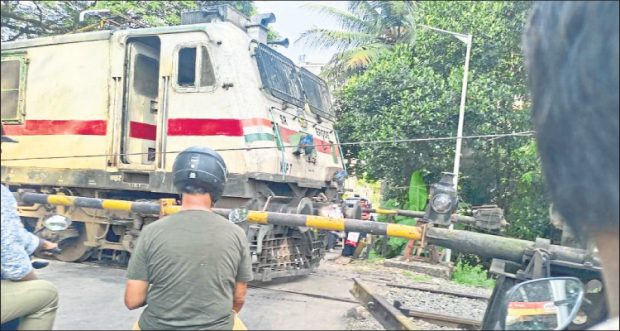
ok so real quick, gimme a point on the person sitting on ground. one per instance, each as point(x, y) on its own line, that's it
point(571, 51)
point(197, 263)
point(33, 301)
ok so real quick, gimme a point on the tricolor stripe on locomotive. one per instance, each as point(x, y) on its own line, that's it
point(255, 129)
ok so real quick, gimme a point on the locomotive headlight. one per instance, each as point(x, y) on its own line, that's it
point(238, 215)
point(57, 223)
point(441, 203)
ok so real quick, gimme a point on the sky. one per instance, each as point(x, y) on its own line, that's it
point(292, 19)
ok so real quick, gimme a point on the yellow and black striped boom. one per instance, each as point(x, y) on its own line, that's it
point(464, 241)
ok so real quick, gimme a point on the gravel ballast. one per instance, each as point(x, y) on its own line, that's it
point(380, 276)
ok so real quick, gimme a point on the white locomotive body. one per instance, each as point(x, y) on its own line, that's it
point(103, 114)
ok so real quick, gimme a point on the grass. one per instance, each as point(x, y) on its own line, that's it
point(373, 256)
point(466, 274)
point(417, 277)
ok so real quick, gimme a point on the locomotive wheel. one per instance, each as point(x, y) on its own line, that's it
point(73, 249)
point(304, 207)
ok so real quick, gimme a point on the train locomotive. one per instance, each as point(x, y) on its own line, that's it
point(103, 114)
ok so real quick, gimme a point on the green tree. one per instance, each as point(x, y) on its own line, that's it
point(367, 29)
point(396, 98)
point(529, 208)
point(159, 13)
point(413, 91)
point(29, 19)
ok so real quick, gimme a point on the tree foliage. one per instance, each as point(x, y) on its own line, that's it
point(413, 91)
point(28, 19)
point(417, 196)
point(396, 98)
point(21, 19)
point(367, 29)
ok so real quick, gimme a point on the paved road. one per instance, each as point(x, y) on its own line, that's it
point(91, 298)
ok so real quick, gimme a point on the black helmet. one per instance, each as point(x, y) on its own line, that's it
point(199, 170)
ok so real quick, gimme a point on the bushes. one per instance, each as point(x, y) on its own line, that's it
point(373, 256)
point(472, 275)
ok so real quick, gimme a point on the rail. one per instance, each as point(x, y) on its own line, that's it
point(396, 317)
point(438, 291)
point(439, 319)
point(390, 317)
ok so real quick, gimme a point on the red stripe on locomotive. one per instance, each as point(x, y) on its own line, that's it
point(58, 127)
point(176, 127)
point(142, 130)
point(204, 127)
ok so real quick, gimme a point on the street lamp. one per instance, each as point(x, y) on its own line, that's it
point(467, 39)
point(443, 201)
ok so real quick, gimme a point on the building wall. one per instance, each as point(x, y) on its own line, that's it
point(372, 191)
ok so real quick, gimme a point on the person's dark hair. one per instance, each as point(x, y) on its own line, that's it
point(571, 51)
point(199, 170)
point(193, 189)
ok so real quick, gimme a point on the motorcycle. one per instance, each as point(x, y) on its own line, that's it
point(54, 223)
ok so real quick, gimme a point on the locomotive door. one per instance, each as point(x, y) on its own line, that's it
point(139, 123)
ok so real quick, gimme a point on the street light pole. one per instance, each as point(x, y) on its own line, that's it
point(467, 39)
point(459, 131)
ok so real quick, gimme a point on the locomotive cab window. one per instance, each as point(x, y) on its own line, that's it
point(194, 69)
point(13, 74)
point(146, 76)
point(279, 76)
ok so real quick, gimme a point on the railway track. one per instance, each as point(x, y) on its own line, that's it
point(440, 319)
point(440, 291)
point(312, 295)
point(393, 315)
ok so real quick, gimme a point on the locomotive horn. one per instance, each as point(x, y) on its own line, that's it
point(282, 42)
point(263, 19)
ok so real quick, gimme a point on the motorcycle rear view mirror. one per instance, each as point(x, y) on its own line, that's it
point(57, 223)
point(543, 304)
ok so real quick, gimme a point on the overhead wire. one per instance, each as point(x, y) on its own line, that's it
point(368, 142)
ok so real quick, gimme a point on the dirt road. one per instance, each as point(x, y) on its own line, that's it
point(91, 298)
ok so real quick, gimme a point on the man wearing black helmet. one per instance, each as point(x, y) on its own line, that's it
point(196, 262)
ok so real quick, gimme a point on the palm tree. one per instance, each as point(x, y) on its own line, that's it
point(367, 29)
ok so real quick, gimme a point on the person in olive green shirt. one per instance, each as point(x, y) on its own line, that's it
point(191, 269)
